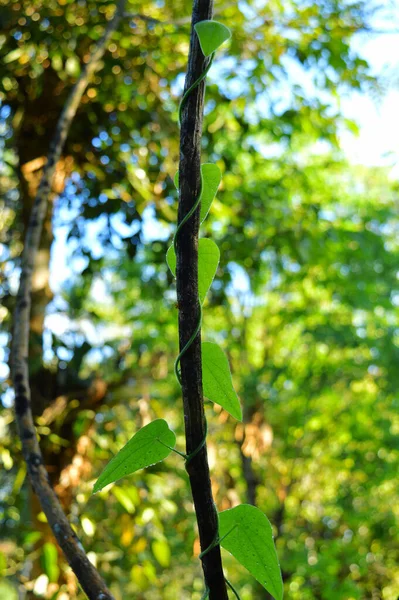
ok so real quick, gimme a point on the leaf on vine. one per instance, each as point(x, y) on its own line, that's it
point(211, 35)
point(171, 259)
point(147, 447)
point(250, 540)
point(216, 379)
point(208, 260)
point(211, 177)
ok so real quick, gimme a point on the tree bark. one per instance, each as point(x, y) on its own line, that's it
point(88, 577)
point(189, 310)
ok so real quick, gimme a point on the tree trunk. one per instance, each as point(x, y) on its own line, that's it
point(189, 311)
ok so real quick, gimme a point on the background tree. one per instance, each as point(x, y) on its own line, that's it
point(307, 308)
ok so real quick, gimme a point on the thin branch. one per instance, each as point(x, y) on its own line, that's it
point(87, 575)
point(189, 311)
point(148, 19)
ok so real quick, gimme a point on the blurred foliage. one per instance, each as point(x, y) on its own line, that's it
point(305, 301)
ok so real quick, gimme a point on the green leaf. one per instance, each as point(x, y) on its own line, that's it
point(50, 561)
point(216, 379)
point(171, 259)
point(147, 447)
point(124, 499)
point(211, 177)
point(251, 542)
point(3, 565)
point(208, 260)
point(13, 55)
point(56, 62)
point(72, 66)
point(161, 551)
point(211, 35)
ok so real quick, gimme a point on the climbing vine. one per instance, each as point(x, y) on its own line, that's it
point(244, 530)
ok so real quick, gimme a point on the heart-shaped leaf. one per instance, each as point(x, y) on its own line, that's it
point(211, 35)
point(216, 379)
point(147, 447)
point(250, 540)
point(208, 260)
point(211, 177)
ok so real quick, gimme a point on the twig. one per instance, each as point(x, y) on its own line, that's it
point(189, 313)
point(147, 19)
point(87, 575)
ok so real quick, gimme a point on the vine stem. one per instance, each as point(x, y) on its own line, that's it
point(188, 367)
point(88, 577)
point(182, 105)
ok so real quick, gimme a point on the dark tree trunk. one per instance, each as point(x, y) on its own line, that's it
point(189, 310)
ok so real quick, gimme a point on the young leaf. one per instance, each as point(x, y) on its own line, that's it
point(211, 177)
point(250, 541)
point(216, 379)
point(171, 259)
point(211, 35)
point(147, 447)
point(208, 260)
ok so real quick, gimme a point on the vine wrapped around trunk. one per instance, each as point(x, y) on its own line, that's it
point(190, 311)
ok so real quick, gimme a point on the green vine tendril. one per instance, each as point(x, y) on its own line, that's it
point(189, 457)
point(193, 86)
point(190, 213)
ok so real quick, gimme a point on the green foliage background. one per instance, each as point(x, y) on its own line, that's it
point(305, 301)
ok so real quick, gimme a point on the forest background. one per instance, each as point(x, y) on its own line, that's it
point(300, 117)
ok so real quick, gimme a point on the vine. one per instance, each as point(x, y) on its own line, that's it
point(243, 530)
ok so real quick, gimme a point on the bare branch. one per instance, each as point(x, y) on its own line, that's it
point(88, 577)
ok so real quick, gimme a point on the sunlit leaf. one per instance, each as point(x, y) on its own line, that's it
point(211, 177)
point(50, 561)
point(147, 447)
point(13, 55)
point(208, 260)
point(139, 577)
point(216, 379)
point(211, 35)
point(149, 571)
point(250, 541)
point(72, 66)
point(88, 526)
point(161, 551)
point(123, 497)
point(3, 565)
